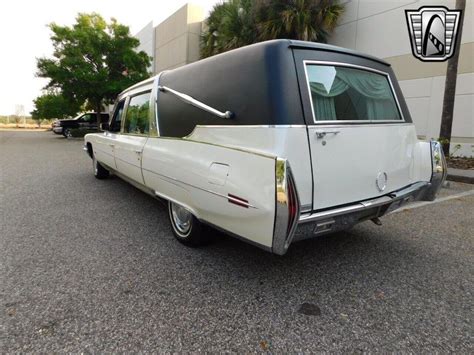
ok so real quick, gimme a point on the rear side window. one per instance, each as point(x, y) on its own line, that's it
point(89, 118)
point(137, 114)
point(341, 93)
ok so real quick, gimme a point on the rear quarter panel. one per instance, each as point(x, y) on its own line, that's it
point(184, 171)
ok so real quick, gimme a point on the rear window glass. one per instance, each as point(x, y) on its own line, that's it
point(346, 94)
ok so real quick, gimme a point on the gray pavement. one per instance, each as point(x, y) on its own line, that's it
point(91, 266)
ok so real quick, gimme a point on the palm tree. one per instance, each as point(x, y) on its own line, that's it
point(450, 86)
point(230, 25)
point(236, 23)
point(307, 20)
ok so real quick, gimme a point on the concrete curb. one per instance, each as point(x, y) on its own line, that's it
point(24, 129)
point(460, 175)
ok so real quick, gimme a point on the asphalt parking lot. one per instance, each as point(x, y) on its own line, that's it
point(91, 266)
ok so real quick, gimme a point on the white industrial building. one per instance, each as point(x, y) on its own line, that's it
point(375, 27)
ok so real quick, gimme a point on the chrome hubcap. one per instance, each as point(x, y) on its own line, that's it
point(182, 218)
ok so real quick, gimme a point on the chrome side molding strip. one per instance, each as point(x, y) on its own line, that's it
point(196, 103)
point(171, 179)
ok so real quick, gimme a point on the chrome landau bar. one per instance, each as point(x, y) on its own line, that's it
point(196, 103)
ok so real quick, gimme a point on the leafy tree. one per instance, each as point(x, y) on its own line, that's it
point(450, 87)
point(307, 20)
point(53, 105)
point(236, 23)
point(93, 61)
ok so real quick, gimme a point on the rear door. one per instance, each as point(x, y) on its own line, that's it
point(129, 144)
point(361, 141)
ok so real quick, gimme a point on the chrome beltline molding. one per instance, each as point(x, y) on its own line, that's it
point(325, 124)
point(189, 139)
point(253, 126)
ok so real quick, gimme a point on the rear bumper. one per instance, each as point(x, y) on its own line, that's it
point(342, 218)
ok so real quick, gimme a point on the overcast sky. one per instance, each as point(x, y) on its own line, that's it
point(24, 36)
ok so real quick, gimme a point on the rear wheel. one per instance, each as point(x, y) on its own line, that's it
point(186, 228)
point(99, 171)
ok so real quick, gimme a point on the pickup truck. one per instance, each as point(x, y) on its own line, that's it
point(86, 122)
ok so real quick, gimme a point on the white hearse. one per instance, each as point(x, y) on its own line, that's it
point(272, 143)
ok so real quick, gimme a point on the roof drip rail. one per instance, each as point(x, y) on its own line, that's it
point(192, 101)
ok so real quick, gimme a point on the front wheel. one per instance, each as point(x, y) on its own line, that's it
point(186, 228)
point(99, 171)
point(67, 133)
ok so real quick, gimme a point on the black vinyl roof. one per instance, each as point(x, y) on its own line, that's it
point(258, 83)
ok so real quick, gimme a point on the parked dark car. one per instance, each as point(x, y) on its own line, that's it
point(86, 122)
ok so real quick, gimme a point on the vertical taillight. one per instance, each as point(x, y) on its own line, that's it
point(287, 207)
point(292, 204)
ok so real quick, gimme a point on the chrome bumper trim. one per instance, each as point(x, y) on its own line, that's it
point(343, 218)
point(411, 193)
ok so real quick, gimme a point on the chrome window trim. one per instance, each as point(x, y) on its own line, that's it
point(128, 90)
point(156, 83)
point(124, 112)
point(149, 90)
point(355, 66)
point(118, 101)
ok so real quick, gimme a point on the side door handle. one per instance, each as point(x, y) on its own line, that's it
point(322, 134)
point(139, 154)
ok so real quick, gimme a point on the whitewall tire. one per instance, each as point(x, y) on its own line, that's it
point(186, 228)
